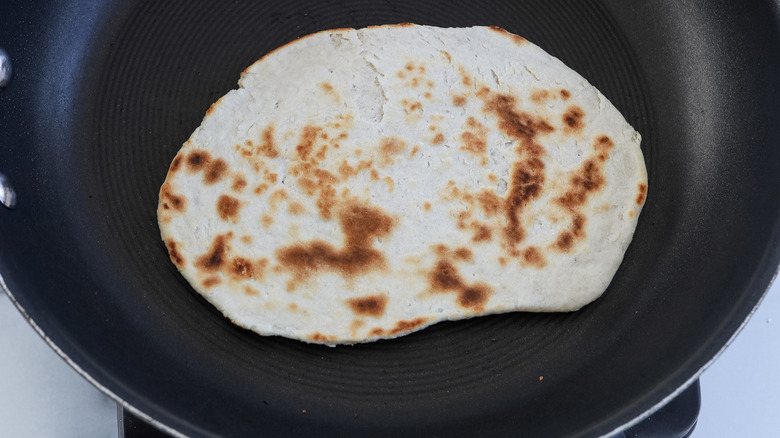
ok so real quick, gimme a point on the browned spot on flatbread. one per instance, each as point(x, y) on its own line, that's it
point(241, 268)
point(361, 225)
point(526, 184)
point(528, 172)
point(228, 208)
point(319, 337)
point(585, 180)
point(389, 148)
point(515, 123)
point(474, 138)
point(197, 160)
point(261, 188)
point(326, 201)
point(573, 119)
point(268, 147)
point(239, 183)
point(177, 202)
point(296, 208)
point(640, 197)
point(427, 206)
point(215, 171)
point(444, 277)
point(438, 138)
point(212, 281)
point(490, 202)
point(251, 291)
point(176, 164)
point(459, 100)
point(407, 325)
point(216, 256)
point(400, 327)
point(373, 305)
point(482, 233)
point(534, 257)
point(173, 252)
point(306, 143)
point(515, 38)
point(539, 96)
point(603, 144)
point(565, 94)
point(267, 220)
point(464, 254)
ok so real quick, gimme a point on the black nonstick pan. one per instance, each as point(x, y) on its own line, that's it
point(105, 92)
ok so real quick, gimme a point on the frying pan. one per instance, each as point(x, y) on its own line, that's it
point(106, 91)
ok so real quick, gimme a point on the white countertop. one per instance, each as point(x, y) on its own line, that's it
point(41, 396)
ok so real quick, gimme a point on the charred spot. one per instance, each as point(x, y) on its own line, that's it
point(438, 138)
point(197, 160)
point(565, 94)
point(459, 100)
point(573, 118)
point(228, 207)
point(640, 197)
point(474, 297)
point(389, 148)
point(216, 256)
point(534, 257)
point(215, 171)
point(173, 252)
point(241, 268)
point(177, 202)
point(373, 305)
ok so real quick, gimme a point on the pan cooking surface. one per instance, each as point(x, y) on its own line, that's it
point(118, 308)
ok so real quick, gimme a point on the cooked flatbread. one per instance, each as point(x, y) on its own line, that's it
point(364, 184)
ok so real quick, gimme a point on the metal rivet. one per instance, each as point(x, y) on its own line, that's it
point(6, 72)
point(7, 194)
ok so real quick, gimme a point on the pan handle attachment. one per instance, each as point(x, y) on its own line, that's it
point(6, 72)
point(7, 193)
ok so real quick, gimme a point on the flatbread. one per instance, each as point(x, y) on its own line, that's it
point(364, 184)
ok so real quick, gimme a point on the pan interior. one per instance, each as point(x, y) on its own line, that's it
point(149, 74)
